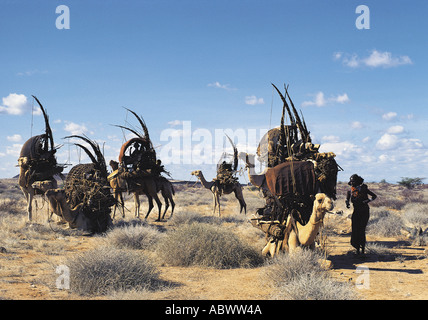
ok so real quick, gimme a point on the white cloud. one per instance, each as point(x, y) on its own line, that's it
point(389, 116)
point(253, 100)
point(14, 138)
point(341, 98)
point(385, 158)
point(17, 104)
point(413, 143)
point(330, 138)
point(345, 149)
point(220, 86)
point(374, 60)
point(395, 129)
point(75, 129)
point(14, 150)
point(387, 142)
point(337, 55)
point(31, 73)
point(356, 125)
point(366, 139)
point(385, 59)
point(321, 101)
point(175, 123)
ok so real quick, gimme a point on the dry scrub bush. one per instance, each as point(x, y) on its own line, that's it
point(384, 223)
point(104, 270)
point(416, 214)
point(207, 246)
point(133, 237)
point(189, 217)
point(301, 277)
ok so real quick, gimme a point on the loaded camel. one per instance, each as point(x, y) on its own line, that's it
point(38, 165)
point(225, 182)
point(298, 184)
point(297, 234)
point(150, 189)
point(85, 200)
point(217, 191)
point(60, 206)
point(139, 171)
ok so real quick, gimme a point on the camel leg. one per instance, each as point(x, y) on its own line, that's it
point(49, 211)
point(214, 202)
point(166, 205)
point(240, 197)
point(150, 206)
point(172, 206)
point(293, 242)
point(116, 195)
point(122, 203)
point(159, 203)
point(217, 203)
point(29, 194)
point(137, 204)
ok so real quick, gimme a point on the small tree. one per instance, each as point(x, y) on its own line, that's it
point(410, 183)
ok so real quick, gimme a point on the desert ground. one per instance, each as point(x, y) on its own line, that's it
point(31, 254)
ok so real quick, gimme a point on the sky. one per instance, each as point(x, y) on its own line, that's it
point(196, 70)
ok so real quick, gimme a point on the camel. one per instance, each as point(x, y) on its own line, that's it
point(297, 234)
point(257, 180)
point(145, 185)
point(73, 216)
point(37, 164)
point(167, 190)
point(213, 186)
point(33, 189)
point(118, 186)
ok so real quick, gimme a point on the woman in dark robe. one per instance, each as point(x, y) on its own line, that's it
point(359, 197)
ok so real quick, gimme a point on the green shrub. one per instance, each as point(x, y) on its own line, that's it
point(410, 183)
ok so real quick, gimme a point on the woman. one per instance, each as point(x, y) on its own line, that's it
point(359, 197)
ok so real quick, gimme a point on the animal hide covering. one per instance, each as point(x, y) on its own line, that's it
point(280, 182)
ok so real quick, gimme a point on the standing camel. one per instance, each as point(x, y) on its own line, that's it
point(167, 190)
point(217, 191)
point(143, 185)
point(38, 164)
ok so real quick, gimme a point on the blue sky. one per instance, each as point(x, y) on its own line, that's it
point(363, 93)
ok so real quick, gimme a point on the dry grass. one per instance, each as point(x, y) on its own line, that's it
point(206, 245)
point(301, 277)
point(125, 262)
point(137, 237)
point(105, 270)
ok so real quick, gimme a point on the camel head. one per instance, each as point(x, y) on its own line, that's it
point(196, 173)
point(57, 194)
point(322, 204)
point(248, 158)
point(114, 165)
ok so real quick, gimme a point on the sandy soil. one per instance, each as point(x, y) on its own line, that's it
point(26, 273)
